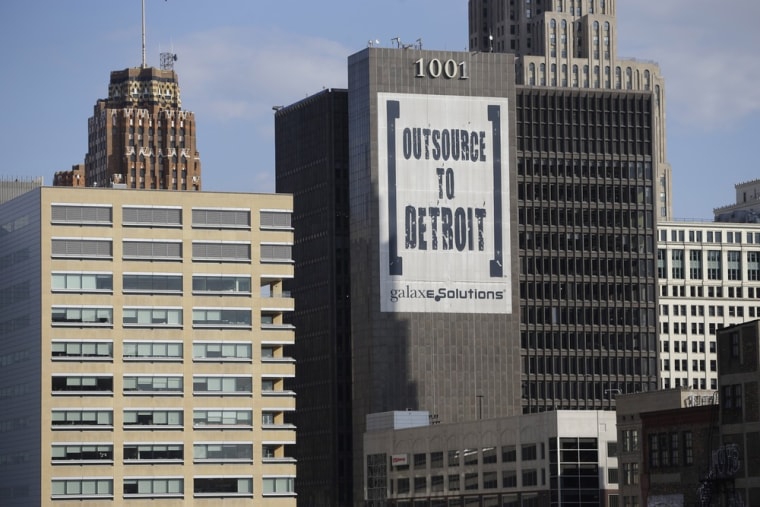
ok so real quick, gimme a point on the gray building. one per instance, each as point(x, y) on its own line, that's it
point(433, 229)
point(10, 188)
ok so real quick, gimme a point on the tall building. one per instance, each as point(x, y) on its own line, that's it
point(311, 151)
point(746, 209)
point(144, 348)
point(433, 235)
point(140, 136)
point(573, 44)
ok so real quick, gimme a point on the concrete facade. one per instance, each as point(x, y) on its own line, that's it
point(554, 458)
point(144, 349)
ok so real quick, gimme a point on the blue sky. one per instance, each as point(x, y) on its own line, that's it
point(238, 58)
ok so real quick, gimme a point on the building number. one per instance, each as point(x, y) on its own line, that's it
point(435, 68)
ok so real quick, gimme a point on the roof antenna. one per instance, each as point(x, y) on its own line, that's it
point(144, 65)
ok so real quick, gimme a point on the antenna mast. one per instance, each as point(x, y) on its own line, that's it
point(144, 65)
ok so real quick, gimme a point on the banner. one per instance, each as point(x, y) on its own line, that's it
point(443, 182)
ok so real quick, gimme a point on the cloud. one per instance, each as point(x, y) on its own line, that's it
point(235, 73)
point(707, 54)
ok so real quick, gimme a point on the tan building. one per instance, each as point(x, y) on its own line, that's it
point(144, 349)
point(746, 209)
point(72, 178)
point(573, 44)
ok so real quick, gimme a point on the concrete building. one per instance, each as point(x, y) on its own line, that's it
point(573, 44)
point(311, 151)
point(665, 442)
point(75, 177)
point(144, 338)
point(735, 471)
point(708, 277)
point(553, 458)
point(746, 209)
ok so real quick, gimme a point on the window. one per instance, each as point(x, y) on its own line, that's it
point(420, 461)
point(471, 480)
point(152, 216)
point(82, 316)
point(734, 265)
point(509, 479)
point(82, 488)
point(152, 317)
point(630, 474)
point(688, 448)
point(223, 486)
point(222, 218)
point(147, 384)
point(82, 282)
point(275, 219)
point(79, 384)
point(222, 385)
point(221, 284)
point(221, 351)
point(154, 351)
point(152, 418)
point(453, 458)
point(677, 267)
point(612, 475)
point(72, 419)
point(223, 452)
point(82, 452)
point(713, 265)
point(508, 454)
point(436, 460)
point(82, 350)
point(152, 250)
point(153, 452)
point(420, 484)
point(630, 440)
point(753, 266)
point(528, 452)
point(226, 417)
point(221, 251)
point(221, 317)
point(272, 486)
point(529, 478)
point(489, 455)
point(81, 214)
point(454, 484)
point(152, 283)
point(662, 269)
point(276, 253)
point(163, 487)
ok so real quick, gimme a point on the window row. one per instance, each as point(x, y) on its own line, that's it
point(156, 350)
point(210, 418)
point(699, 236)
point(169, 487)
point(157, 250)
point(202, 452)
point(160, 384)
point(167, 216)
point(468, 481)
point(82, 316)
point(150, 283)
point(673, 264)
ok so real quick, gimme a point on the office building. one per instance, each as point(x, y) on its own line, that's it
point(708, 278)
point(144, 338)
point(573, 44)
point(311, 151)
point(139, 137)
point(538, 460)
point(665, 445)
point(735, 474)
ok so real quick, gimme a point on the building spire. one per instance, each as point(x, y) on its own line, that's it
point(144, 64)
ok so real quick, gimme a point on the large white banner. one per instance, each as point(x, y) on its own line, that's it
point(443, 185)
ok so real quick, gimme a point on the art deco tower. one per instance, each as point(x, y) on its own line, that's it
point(572, 44)
point(140, 136)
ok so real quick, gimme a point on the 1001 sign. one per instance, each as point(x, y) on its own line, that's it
point(435, 68)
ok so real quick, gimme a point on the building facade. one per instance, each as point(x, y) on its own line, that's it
point(665, 443)
point(10, 188)
point(144, 338)
point(735, 469)
point(708, 278)
point(140, 136)
point(311, 151)
point(433, 229)
point(538, 460)
point(746, 209)
point(573, 44)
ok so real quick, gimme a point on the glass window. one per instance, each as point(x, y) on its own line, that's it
point(223, 452)
point(225, 417)
point(153, 452)
point(161, 351)
point(62, 419)
point(221, 351)
point(82, 316)
point(227, 385)
point(222, 317)
point(165, 384)
point(279, 485)
point(152, 317)
point(82, 452)
point(153, 418)
point(222, 284)
point(223, 486)
point(82, 383)
point(82, 282)
point(152, 283)
point(81, 487)
point(82, 350)
point(164, 487)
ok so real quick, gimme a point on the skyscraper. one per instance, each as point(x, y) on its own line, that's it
point(573, 44)
point(311, 150)
point(140, 136)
